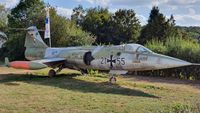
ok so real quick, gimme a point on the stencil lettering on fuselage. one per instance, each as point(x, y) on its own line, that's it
point(111, 61)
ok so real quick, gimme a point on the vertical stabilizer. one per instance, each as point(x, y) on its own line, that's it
point(33, 39)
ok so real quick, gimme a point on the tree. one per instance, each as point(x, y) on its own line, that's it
point(121, 27)
point(78, 14)
point(64, 32)
point(3, 18)
point(3, 24)
point(158, 27)
point(27, 13)
point(95, 21)
point(124, 26)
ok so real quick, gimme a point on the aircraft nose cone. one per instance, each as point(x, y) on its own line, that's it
point(178, 62)
point(170, 62)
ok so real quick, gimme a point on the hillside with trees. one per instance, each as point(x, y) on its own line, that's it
point(192, 31)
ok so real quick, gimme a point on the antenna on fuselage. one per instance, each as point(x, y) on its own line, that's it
point(47, 33)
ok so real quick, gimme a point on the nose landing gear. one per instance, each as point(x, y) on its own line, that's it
point(113, 79)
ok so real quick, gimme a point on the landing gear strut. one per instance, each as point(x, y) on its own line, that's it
point(52, 72)
point(59, 69)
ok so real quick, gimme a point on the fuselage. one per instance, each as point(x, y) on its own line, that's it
point(130, 57)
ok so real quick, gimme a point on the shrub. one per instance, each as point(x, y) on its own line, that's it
point(157, 46)
point(184, 49)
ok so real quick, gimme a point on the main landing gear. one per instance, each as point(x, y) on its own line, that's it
point(84, 71)
point(52, 72)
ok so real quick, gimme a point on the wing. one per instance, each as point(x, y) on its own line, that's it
point(51, 62)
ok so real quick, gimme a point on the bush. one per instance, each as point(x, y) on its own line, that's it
point(184, 49)
point(188, 50)
point(157, 46)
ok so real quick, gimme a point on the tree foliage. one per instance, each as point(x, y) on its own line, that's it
point(3, 18)
point(95, 22)
point(78, 14)
point(125, 27)
point(64, 32)
point(120, 27)
point(192, 31)
point(158, 27)
point(27, 13)
point(3, 24)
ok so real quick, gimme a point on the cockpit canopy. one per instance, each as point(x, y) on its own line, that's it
point(137, 48)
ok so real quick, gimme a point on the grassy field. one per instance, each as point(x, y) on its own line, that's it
point(70, 92)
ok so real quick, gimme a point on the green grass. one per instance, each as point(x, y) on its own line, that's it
point(71, 92)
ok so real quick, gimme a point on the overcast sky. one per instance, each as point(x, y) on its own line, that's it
point(186, 12)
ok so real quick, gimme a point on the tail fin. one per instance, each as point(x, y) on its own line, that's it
point(33, 39)
point(6, 61)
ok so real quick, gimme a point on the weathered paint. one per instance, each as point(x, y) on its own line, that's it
point(134, 60)
point(26, 65)
point(128, 57)
point(19, 64)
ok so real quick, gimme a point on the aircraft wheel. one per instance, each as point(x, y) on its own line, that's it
point(52, 73)
point(112, 79)
point(84, 72)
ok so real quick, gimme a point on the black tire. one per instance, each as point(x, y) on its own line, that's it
point(52, 73)
point(84, 71)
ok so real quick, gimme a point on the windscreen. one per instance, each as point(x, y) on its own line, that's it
point(142, 49)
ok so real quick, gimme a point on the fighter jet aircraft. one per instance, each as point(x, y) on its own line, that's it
point(117, 59)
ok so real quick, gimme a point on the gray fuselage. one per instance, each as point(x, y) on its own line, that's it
point(130, 57)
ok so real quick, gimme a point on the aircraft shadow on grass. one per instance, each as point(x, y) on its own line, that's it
point(67, 81)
